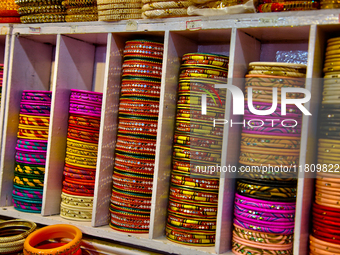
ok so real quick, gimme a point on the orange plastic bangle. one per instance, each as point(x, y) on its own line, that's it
point(51, 232)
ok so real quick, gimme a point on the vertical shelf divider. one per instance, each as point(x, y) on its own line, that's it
point(243, 49)
point(174, 48)
point(73, 69)
point(7, 48)
point(29, 68)
point(309, 142)
point(108, 130)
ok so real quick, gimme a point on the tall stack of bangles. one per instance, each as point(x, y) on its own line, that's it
point(30, 157)
point(111, 10)
point(13, 234)
point(270, 146)
point(81, 155)
point(39, 241)
point(81, 10)
point(42, 11)
point(325, 238)
point(9, 12)
point(193, 198)
point(136, 140)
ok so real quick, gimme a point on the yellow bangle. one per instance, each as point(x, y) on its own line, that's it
point(51, 232)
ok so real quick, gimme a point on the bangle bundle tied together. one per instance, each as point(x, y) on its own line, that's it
point(9, 12)
point(31, 150)
point(164, 9)
point(42, 11)
point(136, 139)
point(81, 155)
point(13, 235)
point(36, 244)
point(111, 10)
point(80, 10)
point(325, 238)
point(265, 198)
point(192, 208)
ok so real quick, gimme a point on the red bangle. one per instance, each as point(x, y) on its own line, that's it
point(77, 181)
point(76, 193)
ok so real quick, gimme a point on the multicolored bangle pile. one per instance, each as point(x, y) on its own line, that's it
point(136, 140)
point(164, 9)
point(325, 237)
point(197, 145)
point(42, 11)
point(270, 146)
point(111, 10)
point(81, 155)
point(9, 12)
point(284, 6)
point(37, 242)
point(80, 11)
point(31, 148)
point(13, 235)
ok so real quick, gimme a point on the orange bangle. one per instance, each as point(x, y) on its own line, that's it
point(51, 232)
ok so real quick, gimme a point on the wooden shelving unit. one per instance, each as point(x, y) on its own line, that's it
point(64, 56)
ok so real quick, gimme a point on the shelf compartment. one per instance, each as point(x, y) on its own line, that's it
point(31, 64)
point(176, 45)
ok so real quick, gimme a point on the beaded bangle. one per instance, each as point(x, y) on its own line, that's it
point(55, 9)
point(81, 145)
point(273, 230)
point(42, 18)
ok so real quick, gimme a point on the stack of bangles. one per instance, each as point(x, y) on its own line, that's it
point(13, 234)
point(164, 9)
point(193, 198)
point(80, 11)
point(42, 11)
point(81, 155)
point(46, 241)
point(284, 5)
point(111, 10)
point(136, 139)
point(31, 148)
point(325, 238)
point(9, 12)
point(270, 147)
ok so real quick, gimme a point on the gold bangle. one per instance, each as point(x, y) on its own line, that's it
point(15, 223)
point(176, 12)
point(41, 9)
point(81, 18)
point(119, 6)
point(119, 17)
point(99, 2)
point(82, 10)
point(119, 11)
point(43, 18)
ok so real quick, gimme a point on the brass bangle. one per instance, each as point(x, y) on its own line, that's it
point(119, 17)
point(37, 3)
point(126, 5)
point(81, 18)
point(41, 9)
point(82, 10)
point(43, 18)
point(77, 3)
point(15, 223)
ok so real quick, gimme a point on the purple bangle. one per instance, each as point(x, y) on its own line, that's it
point(257, 213)
point(82, 111)
point(259, 203)
point(282, 231)
point(264, 223)
point(25, 111)
point(35, 107)
point(262, 209)
point(86, 107)
point(85, 92)
point(89, 114)
point(264, 134)
point(35, 98)
point(37, 91)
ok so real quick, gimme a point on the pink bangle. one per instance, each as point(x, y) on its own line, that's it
point(273, 230)
point(276, 218)
point(264, 204)
point(265, 223)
